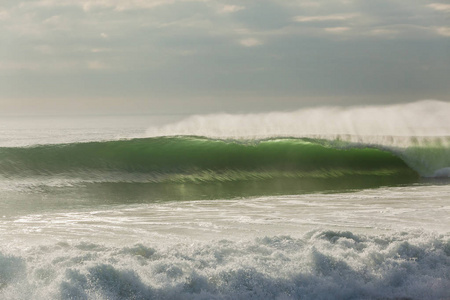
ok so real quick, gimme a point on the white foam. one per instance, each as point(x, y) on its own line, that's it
point(321, 265)
point(361, 123)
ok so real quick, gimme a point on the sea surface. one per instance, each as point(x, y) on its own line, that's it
point(319, 203)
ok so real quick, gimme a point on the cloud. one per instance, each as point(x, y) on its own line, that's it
point(386, 32)
point(337, 29)
point(440, 6)
point(117, 5)
point(444, 31)
point(344, 17)
point(263, 15)
point(18, 66)
point(3, 14)
point(96, 65)
point(99, 50)
point(45, 49)
point(39, 66)
point(53, 21)
point(250, 42)
point(310, 4)
point(231, 8)
point(201, 47)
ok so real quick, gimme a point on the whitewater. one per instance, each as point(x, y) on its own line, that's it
point(318, 203)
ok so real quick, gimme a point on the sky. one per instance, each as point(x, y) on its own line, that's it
point(203, 56)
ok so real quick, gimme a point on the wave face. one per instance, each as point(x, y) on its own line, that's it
point(190, 168)
point(196, 159)
point(320, 265)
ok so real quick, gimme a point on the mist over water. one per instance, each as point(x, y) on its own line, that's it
point(377, 124)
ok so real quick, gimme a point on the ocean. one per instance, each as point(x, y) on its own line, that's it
point(318, 203)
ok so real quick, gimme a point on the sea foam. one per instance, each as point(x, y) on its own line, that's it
point(369, 124)
point(323, 264)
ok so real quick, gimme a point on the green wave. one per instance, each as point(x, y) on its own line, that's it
point(197, 159)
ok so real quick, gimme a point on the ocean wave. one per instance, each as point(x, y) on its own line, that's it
point(189, 167)
point(187, 155)
point(323, 264)
point(201, 160)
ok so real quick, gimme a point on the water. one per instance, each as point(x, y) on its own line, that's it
point(123, 207)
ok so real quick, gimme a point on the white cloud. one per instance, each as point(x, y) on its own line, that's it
point(3, 14)
point(390, 33)
point(310, 4)
point(96, 65)
point(440, 6)
point(16, 66)
point(444, 31)
point(38, 65)
point(323, 18)
point(100, 50)
point(337, 29)
point(134, 4)
point(53, 21)
point(250, 42)
point(231, 8)
point(45, 49)
point(118, 5)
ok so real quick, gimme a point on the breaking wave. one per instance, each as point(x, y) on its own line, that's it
point(321, 265)
point(197, 159)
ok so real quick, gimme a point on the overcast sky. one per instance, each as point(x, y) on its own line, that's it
point(199, 56)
